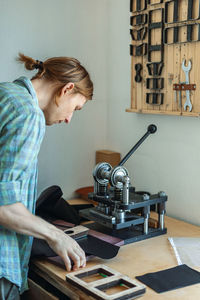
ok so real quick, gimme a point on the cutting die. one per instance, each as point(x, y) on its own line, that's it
point(110, 284)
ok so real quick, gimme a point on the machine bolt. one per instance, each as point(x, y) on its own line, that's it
point(161, 194)
point(145, 197)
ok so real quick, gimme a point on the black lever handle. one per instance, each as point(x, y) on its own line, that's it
point(150, 130)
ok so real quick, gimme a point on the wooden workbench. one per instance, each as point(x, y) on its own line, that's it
point(135, 259)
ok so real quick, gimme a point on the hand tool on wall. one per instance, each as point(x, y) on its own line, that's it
point(155, 46)
point(138, 69)
point(138, 20)
point(154, 98)
point(175, 5)
point(138, 35)
point(139, 50)
point(138, 5)
point(155, 83)
point(192, 34)
point(187, 69)
point(150, 2)
point(155, 68)
point(180, 87)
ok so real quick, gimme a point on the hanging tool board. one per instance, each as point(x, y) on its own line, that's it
point(165, 57)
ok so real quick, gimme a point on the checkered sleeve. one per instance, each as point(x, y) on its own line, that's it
point(19, 146)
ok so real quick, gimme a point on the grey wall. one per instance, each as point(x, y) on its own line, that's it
point(97, 33)
point(168, 160)
point(76, 28)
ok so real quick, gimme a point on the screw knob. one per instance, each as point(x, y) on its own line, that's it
point(152, 128)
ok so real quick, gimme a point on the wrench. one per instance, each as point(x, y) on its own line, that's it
point(187, 81)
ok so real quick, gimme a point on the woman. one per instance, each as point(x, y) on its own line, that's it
point(60, 86)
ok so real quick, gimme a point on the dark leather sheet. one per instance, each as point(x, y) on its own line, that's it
point(170, 279)
point(51, 206)
point(91, 246)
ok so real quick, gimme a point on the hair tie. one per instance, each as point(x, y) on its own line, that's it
point(38, 65)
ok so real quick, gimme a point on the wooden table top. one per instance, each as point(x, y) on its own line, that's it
point(134, 259)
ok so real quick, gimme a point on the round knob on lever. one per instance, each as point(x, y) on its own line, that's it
point(152, 128)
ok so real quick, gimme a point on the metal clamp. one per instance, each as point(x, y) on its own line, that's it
point(176, 12)
point(154, 98)
point(156, 48)
point(139, 20)
point(154, 25)
point(155, 83)
point(155, 68)
point(184, 87)
point(154, 3)
point(139, 50)
point(176, 38)
point(138, 5)
point(138, 35)
point(138, 68)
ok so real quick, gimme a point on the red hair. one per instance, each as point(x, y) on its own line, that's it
point(61, 70)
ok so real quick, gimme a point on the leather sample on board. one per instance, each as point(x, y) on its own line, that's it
point(170, 279)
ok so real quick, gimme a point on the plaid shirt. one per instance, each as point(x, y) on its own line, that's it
point(22, 127)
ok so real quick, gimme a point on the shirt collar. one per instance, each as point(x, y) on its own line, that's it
point(26, 82)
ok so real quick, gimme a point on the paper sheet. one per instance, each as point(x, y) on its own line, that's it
point(187, 250)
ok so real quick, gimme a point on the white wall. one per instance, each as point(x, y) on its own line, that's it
point(46, 28)
point(97, 33)
point(168, 160)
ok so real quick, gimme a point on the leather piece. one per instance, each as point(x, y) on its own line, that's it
point(50, 206)
point(94, 246)
point(51, 194)
point(170, 279)
point(91, 246)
